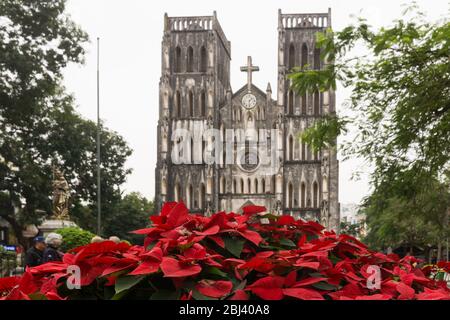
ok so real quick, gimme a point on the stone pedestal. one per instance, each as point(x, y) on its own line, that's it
point(49, 226)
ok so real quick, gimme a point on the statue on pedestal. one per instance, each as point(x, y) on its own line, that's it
point(61, 196)
point(60, 216)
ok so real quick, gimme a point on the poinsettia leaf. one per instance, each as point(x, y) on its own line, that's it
point(240, 286)
point(198, 296)
point(324, 286)
point(287, 243)
point(270, 247)
point(216, 271)
point(151, 245)
point(120, 295)
point(37, 296)
point(234, 246)
point(127, 282)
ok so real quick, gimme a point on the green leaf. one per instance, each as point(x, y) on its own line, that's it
point(323, 286)
point(198, 296)
point(37, 296)
point(240, 286)
point(234, 246)
point(127, 282)
point(287, 243)
point(119, 296)
point(216, 271)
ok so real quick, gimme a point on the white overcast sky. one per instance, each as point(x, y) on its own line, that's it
point(131, 34)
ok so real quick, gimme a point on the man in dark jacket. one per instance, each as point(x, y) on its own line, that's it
point(34, 255)
point(51, 253)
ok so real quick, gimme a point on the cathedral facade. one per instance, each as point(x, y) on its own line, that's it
point(220, 150)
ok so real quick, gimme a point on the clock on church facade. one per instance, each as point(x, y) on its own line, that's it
point(260, 159)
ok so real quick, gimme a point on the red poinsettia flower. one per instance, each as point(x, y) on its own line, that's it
point(151, 262)
point(317, 265)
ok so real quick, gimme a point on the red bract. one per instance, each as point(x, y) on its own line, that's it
point(214, 289)
point(268, 288)
point(303, 294)
point(173, 268)
point(236, 257)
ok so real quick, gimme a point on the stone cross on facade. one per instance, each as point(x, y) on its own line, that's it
point(249, 68)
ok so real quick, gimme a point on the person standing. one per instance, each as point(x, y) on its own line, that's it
point(34, 255)
point(51, 253)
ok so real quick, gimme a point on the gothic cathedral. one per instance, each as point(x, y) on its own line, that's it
point(252, 153)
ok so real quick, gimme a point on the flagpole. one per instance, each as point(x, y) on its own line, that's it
point(99, 208)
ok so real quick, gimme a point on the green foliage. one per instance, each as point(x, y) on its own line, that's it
point(129, 213)
point(418, 217)
point(39, 126)
point(323, 133)
point(74, 237)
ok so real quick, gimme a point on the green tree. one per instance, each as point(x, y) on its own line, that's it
point(132, 212)
point(39, 126)
point(398, 116)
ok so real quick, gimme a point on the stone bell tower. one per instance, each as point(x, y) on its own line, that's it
point(195, 77)
point(310, 179)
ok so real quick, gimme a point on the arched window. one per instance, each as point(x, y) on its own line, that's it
point(291, 64)
point(303, 195)
point(191, 104)
point(291, 102)
point(196, 199)
point(203, 104)
point(177, 104)
point(190, 193)
point(263, 185)
point(203, 59)
point(163, 186)
point(242, 186)
point(304, 105)
point(234, 186)
point(317, 58)
point(304, 55)
point(316, 103)
point(224, 155)
point(256, 186)
point(202, 196)
point(291, 148)
point(315, 195)
point(192, 151)
point(177, 191)
point(203, 149)
point(178, 59)
point(224, 185)
point(190, 60)
point(304, 151)
point(249, 186)
point(274, 184)
point(290, 196)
